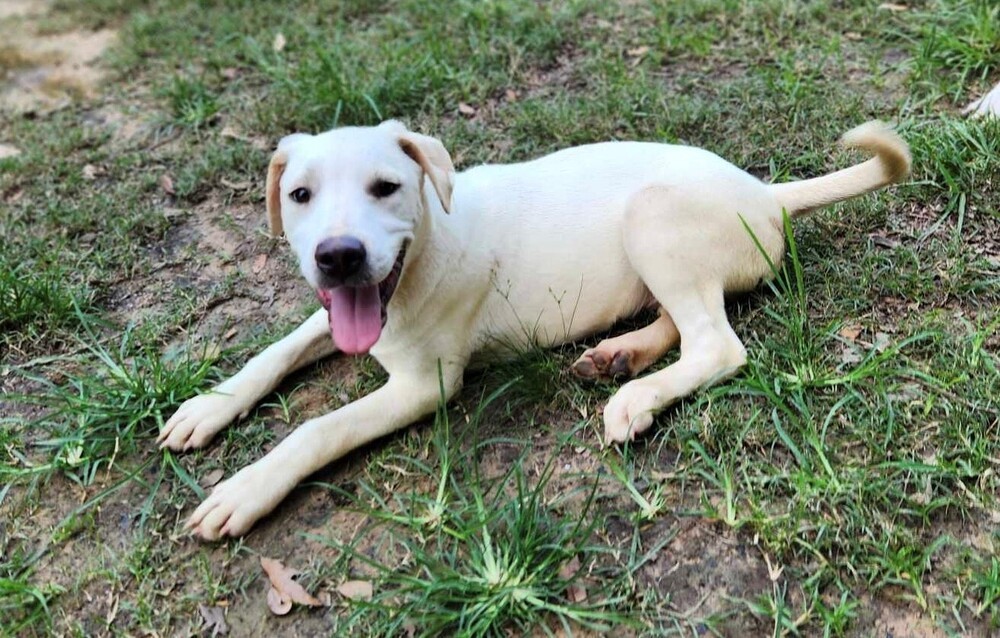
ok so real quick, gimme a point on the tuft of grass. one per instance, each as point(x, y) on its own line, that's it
point(957, 164)
point(192, 103)
point(23, 605)
point(957, 46)
point(94, 415)
point(484, 555)
point(35, 298)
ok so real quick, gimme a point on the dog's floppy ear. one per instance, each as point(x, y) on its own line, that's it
point(272, 187)
point(434, 159)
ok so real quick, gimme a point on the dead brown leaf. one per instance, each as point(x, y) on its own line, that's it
point(883, 242)
point(356, 590)
point(6, 150)
point(511, 95)
point(881, 341)
point(212, 478)
point(259, 262)
point(894, 7)
point(466, 109)
point(214, 619)
point(91, 172)
point(284, 590)
point(236, 186)
point(278, 605)
point(570, 568)
point(850, 332)
point(279, 42)
point(637, 52)
point(167, 184)
point(230, 73)
point(112, 608)
point(575, 592)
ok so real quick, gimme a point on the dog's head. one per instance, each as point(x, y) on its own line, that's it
point(349, 201)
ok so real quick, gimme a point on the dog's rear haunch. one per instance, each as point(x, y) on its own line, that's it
point(423, 267)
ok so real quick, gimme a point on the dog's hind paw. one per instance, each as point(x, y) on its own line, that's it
point(597, 364)
point(198, 420)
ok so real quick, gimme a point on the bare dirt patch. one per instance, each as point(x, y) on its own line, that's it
point(45, 71)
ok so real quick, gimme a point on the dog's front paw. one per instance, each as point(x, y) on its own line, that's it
point(630, 411)
point(238, 502)
point(198, 420)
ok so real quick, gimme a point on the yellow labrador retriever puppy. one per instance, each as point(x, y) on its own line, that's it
point(430, 270)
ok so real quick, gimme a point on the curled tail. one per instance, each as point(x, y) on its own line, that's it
point(890, 164)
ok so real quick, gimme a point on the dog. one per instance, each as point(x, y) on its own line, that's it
point(986, 106)
point(431, 271)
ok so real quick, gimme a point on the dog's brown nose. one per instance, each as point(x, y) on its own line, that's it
point(341, 257)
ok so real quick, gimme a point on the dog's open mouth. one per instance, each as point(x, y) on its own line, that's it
point(358, 313)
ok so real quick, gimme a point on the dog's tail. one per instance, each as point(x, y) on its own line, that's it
point(890, 165)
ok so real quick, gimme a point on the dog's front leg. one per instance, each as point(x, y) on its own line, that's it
point(202, 417)
point(237, 503)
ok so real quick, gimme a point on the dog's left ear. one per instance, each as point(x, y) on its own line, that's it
point(432, 156)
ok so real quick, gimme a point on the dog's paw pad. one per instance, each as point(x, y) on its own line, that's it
point(592, 364)
point(621, 365)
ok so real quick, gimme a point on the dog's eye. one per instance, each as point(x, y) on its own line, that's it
point(381, 188)
point(300, 195)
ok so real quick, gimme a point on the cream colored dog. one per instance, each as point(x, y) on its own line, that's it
point(539, 253)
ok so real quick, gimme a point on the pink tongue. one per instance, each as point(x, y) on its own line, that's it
point(355, 318)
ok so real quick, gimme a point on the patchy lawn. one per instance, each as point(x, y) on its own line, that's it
point(845, 483)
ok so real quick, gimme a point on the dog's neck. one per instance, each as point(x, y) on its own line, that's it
point(424, 268)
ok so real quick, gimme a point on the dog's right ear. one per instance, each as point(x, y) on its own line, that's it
point(272, 186)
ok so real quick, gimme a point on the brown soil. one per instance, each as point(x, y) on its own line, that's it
point(43, 71)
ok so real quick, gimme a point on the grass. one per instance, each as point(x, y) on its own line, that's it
point(484, 554)
point(846, 480)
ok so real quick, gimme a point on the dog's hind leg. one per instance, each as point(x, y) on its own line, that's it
point(669, 251)
point(629, 354)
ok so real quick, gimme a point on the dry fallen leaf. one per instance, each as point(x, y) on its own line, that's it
point(279, 42)
point(91, 172)
point(511, 95)
point(284, 590)
point(466, 109)
point(259, 262)
point(236, 186)
point(637, 52)
point(215, 619)
point(230, 73)
point(356, 590)
point(892, 6)
point(212, 478)
point(278, 605)
point(575, 592)
point(167, 184)
point(850, 332)
point(6, 150)
point(881, 341)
